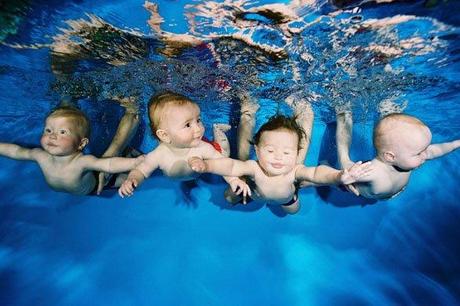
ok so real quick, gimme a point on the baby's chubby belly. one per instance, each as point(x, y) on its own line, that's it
point(276, 194)
point(71, 182)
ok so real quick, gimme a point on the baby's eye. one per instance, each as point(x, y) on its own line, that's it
point(287, 153)
point(198, 120)
point(270, 150)
point(63, 132)
point(187, 125)
point(48, 131)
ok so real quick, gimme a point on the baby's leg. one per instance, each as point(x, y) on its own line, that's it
point(304, 114)
point(220, 137)
point(343, 137)
point(247, 122)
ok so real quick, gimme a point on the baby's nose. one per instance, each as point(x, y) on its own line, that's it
point(197, 128)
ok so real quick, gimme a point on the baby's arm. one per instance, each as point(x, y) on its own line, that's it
point(111, 164)
point(325, 175)
point(437, 150)
point(222, 166)
point(140, 173)
point(17, 152)
point(237, 185)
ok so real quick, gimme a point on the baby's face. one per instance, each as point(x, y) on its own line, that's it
point(410, 148)
point(60, 137)
point(183, 125)
point(277, 151)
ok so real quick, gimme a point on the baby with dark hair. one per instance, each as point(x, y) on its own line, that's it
point(279, 168)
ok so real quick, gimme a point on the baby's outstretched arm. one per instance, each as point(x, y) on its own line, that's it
point(437, 150)
point(17, 152)
point(112, 164)
point(229, 168)
point(325, 175)
point(222, 166)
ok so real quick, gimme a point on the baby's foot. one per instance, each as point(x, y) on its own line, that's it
point(222, 127)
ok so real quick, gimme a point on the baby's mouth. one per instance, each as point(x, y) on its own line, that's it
point(277, 165)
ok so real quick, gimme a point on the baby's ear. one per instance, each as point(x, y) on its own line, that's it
point(83, 143)
point(389, 156)
point(163, 136)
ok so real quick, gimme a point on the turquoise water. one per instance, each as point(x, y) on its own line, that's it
point(176, 245)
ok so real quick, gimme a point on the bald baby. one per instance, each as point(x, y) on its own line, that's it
point(402, 144)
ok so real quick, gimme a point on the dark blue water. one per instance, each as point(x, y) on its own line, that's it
point(176, 245)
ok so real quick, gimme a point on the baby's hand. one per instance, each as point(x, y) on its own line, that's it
point(355, 172)
point(128, 187)
point(239, 187)
point(197, 164)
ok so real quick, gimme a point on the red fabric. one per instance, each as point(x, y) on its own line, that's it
point(214, 144)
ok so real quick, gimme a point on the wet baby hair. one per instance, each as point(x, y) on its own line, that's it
point(159, 103)
point(280, 122)
point(76, 116)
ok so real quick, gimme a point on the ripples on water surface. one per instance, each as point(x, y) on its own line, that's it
point(377, 56)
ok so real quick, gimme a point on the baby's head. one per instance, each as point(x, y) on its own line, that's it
point(402, 140)
point(66, 131)
point(175, 120)
point(277, 144)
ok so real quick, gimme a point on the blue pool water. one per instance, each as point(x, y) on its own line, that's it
point(170, 245)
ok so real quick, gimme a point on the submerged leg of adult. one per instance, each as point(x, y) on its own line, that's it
point(304, 117)
point(126, 130)
point(343, 138)
point(246, 126)
point(221, 138)
point(62, 67)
